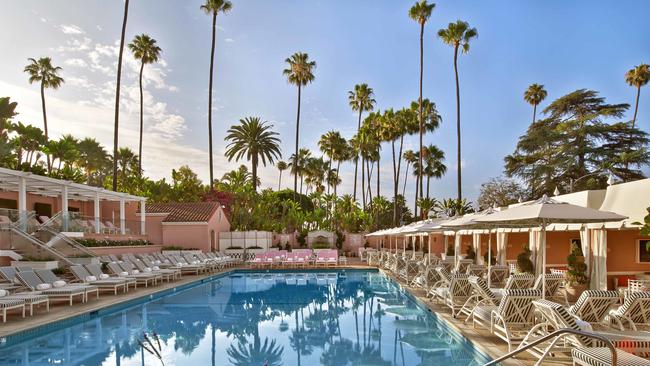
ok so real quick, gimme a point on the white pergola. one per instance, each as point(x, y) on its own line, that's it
point(25, 182)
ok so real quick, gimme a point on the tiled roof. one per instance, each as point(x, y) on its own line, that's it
point(184, 212)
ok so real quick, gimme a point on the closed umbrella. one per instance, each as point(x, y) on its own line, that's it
point(544, 212)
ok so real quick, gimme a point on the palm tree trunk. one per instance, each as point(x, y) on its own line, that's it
point(369, 173)
point(214, 36)
point(338, 169)
point(254, 172)
point(420, 104)
point(356, 161)
point(280, 180)
point(395, 183)
point(295, 176)
point(406, 176)
point(117, 95)
point(49, 166)
point(534, 112)
point(636, 107)
point(415, 202)
point(378, 180)
point(363, 182)
point(141, 122)
point(428, 180)
point(460, 191)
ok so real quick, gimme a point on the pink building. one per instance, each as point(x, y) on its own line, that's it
point(193, 225)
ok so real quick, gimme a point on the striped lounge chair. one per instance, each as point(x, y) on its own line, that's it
point(593, 306)
point(554, 290)
point(10, 304)
point(456, 294)
point(31, 281)
point(602, 356)
point(555, 316)
point(634, 313)
point(111, 284)
point(482, 296)
point(498, 275)
point(96, 270)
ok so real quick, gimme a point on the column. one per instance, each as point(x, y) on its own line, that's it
point(143, 220)
point(64, 207)
point(96, 209)
point(122, 217)
point(22, 202)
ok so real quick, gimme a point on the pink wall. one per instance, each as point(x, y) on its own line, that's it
point(154, 228)
point(187, 236)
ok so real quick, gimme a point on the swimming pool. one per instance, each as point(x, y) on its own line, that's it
point(351, 317)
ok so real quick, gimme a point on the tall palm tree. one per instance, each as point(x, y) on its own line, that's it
point(117, 94)
point(299, 73)
point(254, 139)
point(410, 157)
point(421, 12)
point(298, 163)
point(360, 99)
point(534, 95)
point(92, 158)
point(434, 164)
point(127, 162)
point(637, 77)
point(282, 166)
point(333, 145)
point(458, 36)
point(144, 48)
point(46, 74)
point(213, 7)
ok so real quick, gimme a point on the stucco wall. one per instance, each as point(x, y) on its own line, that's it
point(621, 251)
point(194, 236)
point(126, 250)
point(154, 229)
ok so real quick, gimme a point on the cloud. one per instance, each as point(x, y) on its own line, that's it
point(71, 29)
point(230, 40)
point(75, 62)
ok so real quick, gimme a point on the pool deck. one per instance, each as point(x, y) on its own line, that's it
point(482, 339)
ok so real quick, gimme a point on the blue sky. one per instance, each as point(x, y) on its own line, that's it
point(564, 45)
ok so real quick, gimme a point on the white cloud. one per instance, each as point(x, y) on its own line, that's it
point(71, 29)
point(76, 62)
point(230, 40)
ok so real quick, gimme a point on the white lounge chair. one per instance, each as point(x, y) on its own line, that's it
point(593, 306)
point(634, 313)
point(554, 290)
point(456, 294)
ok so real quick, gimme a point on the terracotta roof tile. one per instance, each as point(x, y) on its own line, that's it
point(184, 212)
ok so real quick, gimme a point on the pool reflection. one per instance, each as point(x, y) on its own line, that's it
point(258, 319)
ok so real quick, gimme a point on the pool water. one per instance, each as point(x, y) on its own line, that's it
point(353, 317)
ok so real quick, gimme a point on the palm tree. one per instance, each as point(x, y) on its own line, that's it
point(92, 157)
point(426, 205)
point(434, 164)
point(421, 12)
point(144, 48)
point(534, 95)
point(282, 166)
point(117, 94)
point(637, 77)
point(410, 157)
point(254, 139)
point(360, 99)
point(43, 71)
point(298, 163)
point(213, 7)
point(299, 73)
point(127, 161)
point(458, 35)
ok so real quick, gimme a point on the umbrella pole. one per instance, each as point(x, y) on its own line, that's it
point(428, 249)
point(489, 256)
point(543, 259)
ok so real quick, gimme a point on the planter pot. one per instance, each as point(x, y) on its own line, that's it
point(573, 291)
point(36, 265)
point(89, 260)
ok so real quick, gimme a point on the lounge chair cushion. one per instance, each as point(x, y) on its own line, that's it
point(91, 278)
point(43, 286)
point(484, 312)
point(602, 356)
point(103, 276)
point(156, 268)
point(124, 273)
point(442, 291)
point(135, 272)
point(3, 293)
point(58, 284)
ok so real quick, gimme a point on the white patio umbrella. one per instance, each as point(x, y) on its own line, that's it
point(544, 212)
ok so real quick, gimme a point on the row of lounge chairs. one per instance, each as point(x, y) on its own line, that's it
point(24, 288)
point(513, 309)
point(297, 258)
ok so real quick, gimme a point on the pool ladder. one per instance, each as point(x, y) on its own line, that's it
point(560, 333)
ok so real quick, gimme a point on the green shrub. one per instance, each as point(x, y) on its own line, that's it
point(577, 273)
point(112, 243)
point(234, 247)
point(340, 239)
point(302, 238)
point(287, 246)
point(320, 246)
point(172, 247)
point(255, 247)
point(450, 249)
point(29, 258)
point(471, 254)
point(493, 260)
point(524, 264)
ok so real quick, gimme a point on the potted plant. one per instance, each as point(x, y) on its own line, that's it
point(471, 254)
point(302, 238)
point(450, 251)
point(340, 239)
point(576, 277)
point(524, 264)
point(492, 260)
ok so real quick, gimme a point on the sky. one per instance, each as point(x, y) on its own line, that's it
point(565, 45)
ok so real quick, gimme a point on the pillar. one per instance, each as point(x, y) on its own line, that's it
point(22, 202)
point(96, 213)
point(64, 207)
point(143, 220)
point(122, 217)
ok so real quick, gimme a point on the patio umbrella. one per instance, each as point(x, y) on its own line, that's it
point(544, 212)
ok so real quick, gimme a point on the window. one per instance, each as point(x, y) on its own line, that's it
point(643, 251)
point(8, 204)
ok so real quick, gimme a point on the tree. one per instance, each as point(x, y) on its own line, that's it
point(421, 12)
point(186, 185)
point(127, 162)
point(297, 163)
point(500, 192)
point(458, 35)
point(534, 95)
point(282, 166)
point(144, 48)
point(43, 72)
point(255, 140)
point(360, 99)
point(411, 158)
point(577, 145)
point(117, 94)
point(299, 73)
point(434, 160)
point(92, 158)
point(426, 205)
point(336, 148)
point(450, 207)
point(637, 77)
point(213, 8)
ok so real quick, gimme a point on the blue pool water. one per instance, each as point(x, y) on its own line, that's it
point(353, 317)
